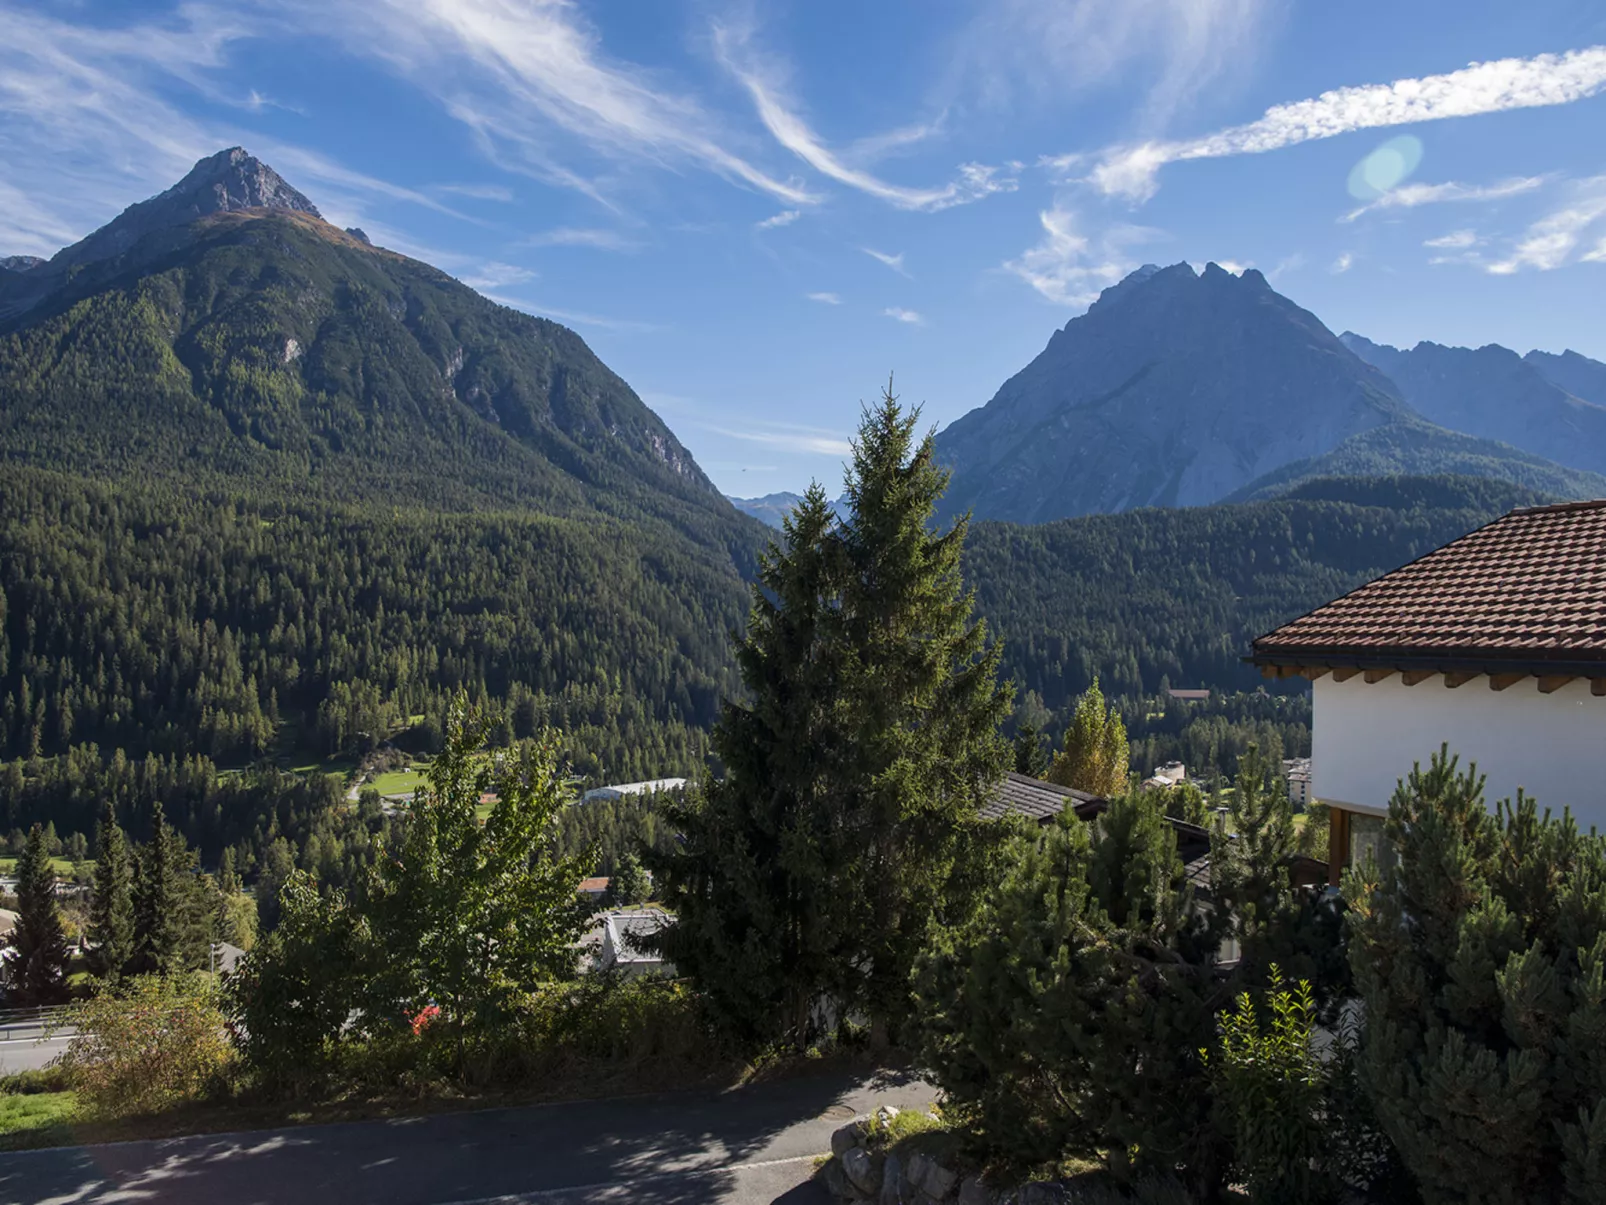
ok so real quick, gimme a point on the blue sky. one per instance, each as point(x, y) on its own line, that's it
point(755, 211)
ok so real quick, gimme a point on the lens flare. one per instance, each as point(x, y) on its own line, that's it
point(1389, 166)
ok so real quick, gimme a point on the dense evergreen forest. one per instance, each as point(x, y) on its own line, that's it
point(187, 646)
point(1152, 598)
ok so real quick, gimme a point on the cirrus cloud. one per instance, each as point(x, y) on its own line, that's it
point(1133, 172)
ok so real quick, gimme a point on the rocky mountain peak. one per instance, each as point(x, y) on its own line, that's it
point(230, 180)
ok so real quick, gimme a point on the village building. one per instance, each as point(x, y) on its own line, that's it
point(1494, 645)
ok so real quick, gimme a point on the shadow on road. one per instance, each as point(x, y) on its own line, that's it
point(665, 1149)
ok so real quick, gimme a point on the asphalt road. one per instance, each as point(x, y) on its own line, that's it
point(742, 1147)
point(29, 1053)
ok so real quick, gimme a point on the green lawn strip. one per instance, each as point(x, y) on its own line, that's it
point(37, 1119)
point(397, 782)
point(61, 866)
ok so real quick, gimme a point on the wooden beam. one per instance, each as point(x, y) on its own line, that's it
point(1501, 681)
point(1312, 672)
point(1345, 674)
point(1459, 679)
point(1269, 671)
point(1551, 683)
point(1377, 675)
point(1412, 676)
point(1597, 687)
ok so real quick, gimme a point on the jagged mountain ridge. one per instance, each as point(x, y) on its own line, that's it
point(1180, 388)
point(223, 331)
point(1493, 393)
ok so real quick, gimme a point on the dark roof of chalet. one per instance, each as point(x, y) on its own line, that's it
point(1524, 593)
point(1042, 802)
point(1038, 800)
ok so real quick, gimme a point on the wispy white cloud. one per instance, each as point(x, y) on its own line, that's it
point(895, 262)
point(788, 438)
point(1070, 268)
point(1548, 79)
point(1289, 263)
point(824, 298)
point(785, 218)
point(899, 314)
point(1455, 240)
point(1234, 266)
point(492, 275)
point(531, 80)
point(1551, 241)
point(480, 192)
point(1409, 196)
point(1050, 47)
point(580, 236)
point(1342, 264)
point(577, 317)
point(766, 83)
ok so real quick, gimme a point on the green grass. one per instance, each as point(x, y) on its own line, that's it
point(303, 762)
point(397, 782)
point(36, 1119)
point(61, 866)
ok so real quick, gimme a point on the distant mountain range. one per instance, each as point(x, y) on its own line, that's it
point(1179, 388)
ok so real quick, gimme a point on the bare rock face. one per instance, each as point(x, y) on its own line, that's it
point(20, 263)
point(222, 183)
point(1174, 389)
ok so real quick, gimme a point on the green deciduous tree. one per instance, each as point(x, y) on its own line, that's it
point(473, 916)
point(111, 908)
point(629, 883)
point(1095, 757)
point(36, 962)
point(1481, 959)
point(292, 995)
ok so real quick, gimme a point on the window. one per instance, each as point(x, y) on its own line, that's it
point(1366, 841)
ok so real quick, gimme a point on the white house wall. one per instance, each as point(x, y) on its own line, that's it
point(1366, 737)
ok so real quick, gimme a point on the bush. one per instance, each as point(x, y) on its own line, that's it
point(152, 1045)
point(1270, 1087)
point(1065, 1019)
point(1481, 959)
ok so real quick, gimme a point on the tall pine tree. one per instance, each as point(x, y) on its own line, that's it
point(111, 909)
point(847, 819)
point(919, 703)
point(749, 882)
point(36, 964)
point(156, 903)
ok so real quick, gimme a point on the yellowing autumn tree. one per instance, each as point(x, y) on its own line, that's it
point(1095, 757)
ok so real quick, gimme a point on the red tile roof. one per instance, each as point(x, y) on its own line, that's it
point(1528, 589)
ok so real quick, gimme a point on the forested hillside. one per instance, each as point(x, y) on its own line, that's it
point(148, 620)
point(1151, 595)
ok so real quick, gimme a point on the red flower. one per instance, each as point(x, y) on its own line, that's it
point(425, 1015)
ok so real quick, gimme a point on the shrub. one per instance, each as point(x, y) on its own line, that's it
point(153, 1044)
point(1481, 959)
point(1270, 1087)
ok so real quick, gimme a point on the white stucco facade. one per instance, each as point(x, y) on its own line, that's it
point(1365, 737)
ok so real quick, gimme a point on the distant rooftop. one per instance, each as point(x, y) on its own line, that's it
point(619, 790)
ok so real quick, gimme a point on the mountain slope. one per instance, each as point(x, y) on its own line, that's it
point(256, 344)
point(1493, 393)
point(1156, 593)
point(1578, 375)
point(1181, 389)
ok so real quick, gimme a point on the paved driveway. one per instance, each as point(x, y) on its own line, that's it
point(743, 1147)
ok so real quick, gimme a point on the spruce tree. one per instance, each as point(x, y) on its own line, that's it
point(917, 709)
point(1481, 959)
point(847, 819)
point(1096, 757)
point(111, 909)
point(749, 880)
point(156, 902)
point(629, 883)
point(36, 967)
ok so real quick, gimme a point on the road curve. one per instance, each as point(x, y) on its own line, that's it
point(742, 1147)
